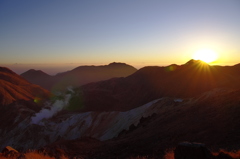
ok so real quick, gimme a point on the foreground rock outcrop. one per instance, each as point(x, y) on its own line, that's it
point(8, 151)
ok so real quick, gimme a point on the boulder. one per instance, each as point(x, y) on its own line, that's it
point(9, 152)
point(188, 150)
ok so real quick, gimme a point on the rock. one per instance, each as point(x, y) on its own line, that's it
point(188, 150)
point(9, 149)
point(9, 152)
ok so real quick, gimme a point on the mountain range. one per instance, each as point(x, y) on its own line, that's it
point(142, 114)
point(78, 76)
point(149, 83)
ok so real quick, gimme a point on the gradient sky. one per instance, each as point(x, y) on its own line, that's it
point(138, 32)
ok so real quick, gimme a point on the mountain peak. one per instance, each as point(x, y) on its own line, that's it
point(117, 64)
point(121, 66)
point(34, 72)
point(195, 62)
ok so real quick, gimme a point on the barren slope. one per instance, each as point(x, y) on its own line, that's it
point(14, 88)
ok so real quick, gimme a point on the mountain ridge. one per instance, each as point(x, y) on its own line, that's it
point(79, 76)
point(15, 87)
point(152, 82)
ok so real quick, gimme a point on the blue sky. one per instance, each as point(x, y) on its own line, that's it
point(138, 32)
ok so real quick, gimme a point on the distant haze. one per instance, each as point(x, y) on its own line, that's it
point(53, 69)
point(50, 69)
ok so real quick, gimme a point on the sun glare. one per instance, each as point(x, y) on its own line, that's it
point(205, 55)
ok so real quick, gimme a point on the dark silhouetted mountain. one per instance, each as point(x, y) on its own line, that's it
point(79, 76)
point(15, 87)
point(39, 77)
point(149, 83)
point(35, 74)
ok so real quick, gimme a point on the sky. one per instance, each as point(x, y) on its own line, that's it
point(58, 35)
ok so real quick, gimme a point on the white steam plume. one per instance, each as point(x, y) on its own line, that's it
point(57, 106)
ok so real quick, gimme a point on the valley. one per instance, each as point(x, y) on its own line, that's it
point(143, 114)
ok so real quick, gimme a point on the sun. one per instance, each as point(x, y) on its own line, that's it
point(206, 55)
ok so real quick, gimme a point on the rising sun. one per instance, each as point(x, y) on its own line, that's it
point(206, 55)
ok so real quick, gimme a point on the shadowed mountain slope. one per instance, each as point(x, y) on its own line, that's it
point(149, 83)
point(211, 118)
point(14, 88)
point(79, 76)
